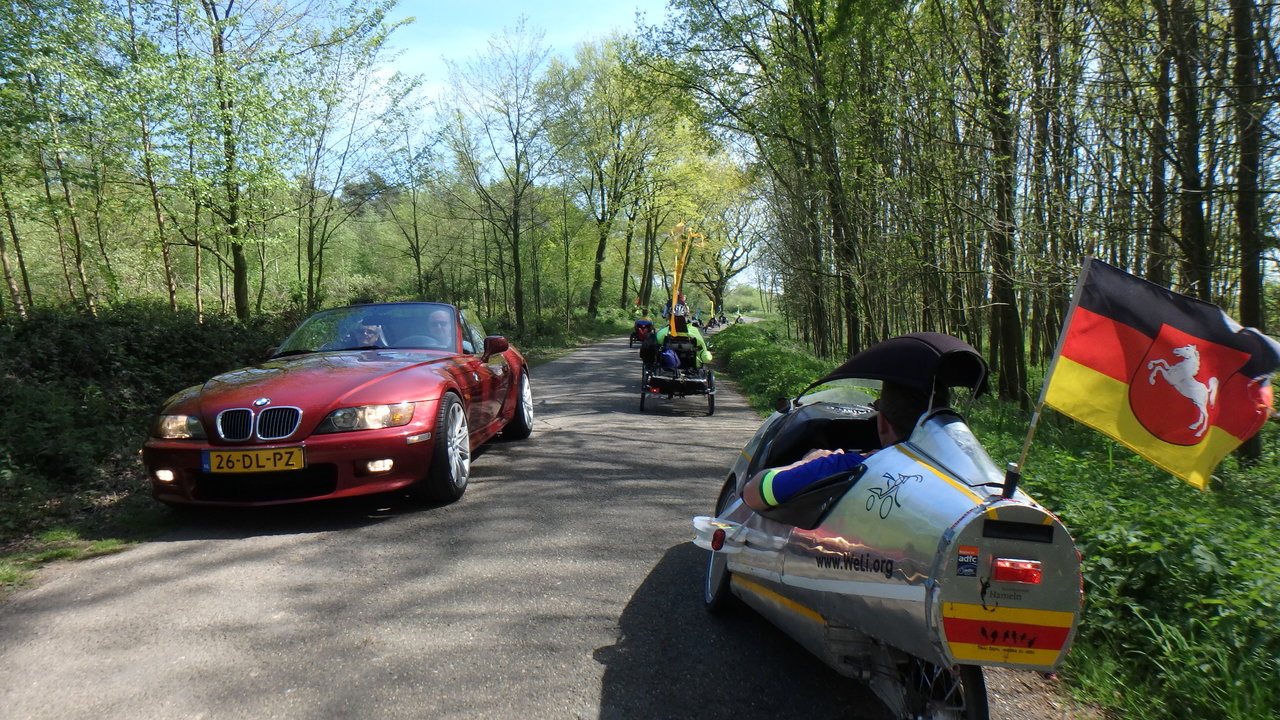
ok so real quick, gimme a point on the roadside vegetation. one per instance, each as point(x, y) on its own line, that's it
point(1182, 590)
point(78, 393)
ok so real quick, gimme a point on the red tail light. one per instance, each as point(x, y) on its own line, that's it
point(717, 539)
point(1019, 571)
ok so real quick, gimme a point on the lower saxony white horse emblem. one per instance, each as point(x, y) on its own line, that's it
point(1176, 387)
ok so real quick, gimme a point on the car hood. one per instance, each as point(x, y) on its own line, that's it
point(321, 381)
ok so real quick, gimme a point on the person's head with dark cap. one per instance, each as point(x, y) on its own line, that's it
point(367, 331)
point(900, 407)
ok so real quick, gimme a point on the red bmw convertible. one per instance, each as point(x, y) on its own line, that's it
point(357, 400)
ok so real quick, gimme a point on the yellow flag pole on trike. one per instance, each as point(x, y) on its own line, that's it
point(684, 244)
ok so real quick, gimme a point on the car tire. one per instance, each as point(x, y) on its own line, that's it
point(451, 457)
point(521, 424)
point(717, 597)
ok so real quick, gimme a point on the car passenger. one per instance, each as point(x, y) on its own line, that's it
point(898, 409)
point(366, 333)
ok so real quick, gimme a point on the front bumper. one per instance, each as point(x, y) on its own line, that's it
point(337, 466)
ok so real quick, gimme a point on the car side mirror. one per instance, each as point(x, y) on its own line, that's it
point(494, 344)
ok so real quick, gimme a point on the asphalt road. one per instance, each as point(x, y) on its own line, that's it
point(562, 585)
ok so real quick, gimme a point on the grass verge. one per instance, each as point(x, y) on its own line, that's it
point(100, 526)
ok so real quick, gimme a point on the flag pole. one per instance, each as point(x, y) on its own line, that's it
point(684, 246)
point(1013, 473)
point(678, 238)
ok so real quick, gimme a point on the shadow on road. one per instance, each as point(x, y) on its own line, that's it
point(674, 660)
point(227, 523)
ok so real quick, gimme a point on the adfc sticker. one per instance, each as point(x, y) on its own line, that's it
point(967, 561)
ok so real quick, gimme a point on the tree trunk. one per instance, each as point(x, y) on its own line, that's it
point(1006, 330)
point(602, 241)
point(1249, 129)
point(234, 231)
point(1158, 229)
point(517, 281)
point(626, 264)
point(11, 284)
point(564, 238)
point(1193, 236)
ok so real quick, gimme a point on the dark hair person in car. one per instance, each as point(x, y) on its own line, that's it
point(369, 332)
point(365, 333)
point(898, 409)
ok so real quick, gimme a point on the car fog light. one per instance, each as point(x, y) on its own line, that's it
point(379, 465)
point(165, 476)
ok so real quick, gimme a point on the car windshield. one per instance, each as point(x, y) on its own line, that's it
point(857, 392)
point(429, 326)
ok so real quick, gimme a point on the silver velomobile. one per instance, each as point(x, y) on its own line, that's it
point(916, 569)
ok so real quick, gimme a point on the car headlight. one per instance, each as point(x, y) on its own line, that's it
point(179, 427)
point(367, 417)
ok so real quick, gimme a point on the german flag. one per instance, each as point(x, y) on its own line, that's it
point(1173, 378)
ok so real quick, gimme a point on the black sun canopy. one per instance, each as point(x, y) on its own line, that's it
point(924, 361)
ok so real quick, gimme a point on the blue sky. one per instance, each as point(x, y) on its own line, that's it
point(458, 31)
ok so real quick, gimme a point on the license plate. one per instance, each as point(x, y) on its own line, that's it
point(248, 461)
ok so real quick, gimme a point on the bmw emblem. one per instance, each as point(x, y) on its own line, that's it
point(261, 401)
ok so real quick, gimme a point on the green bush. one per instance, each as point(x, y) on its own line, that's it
point(552, 332)
point(1182, 612)
point(79, 391)
point(765, 364)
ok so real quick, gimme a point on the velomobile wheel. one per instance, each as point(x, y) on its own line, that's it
point(711, 392)
point(521, 425)
point(644, 386)
point(716, 596)
point(451, 456)
point(935, 693)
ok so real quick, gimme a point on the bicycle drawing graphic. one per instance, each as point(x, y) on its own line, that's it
point(887, 496)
